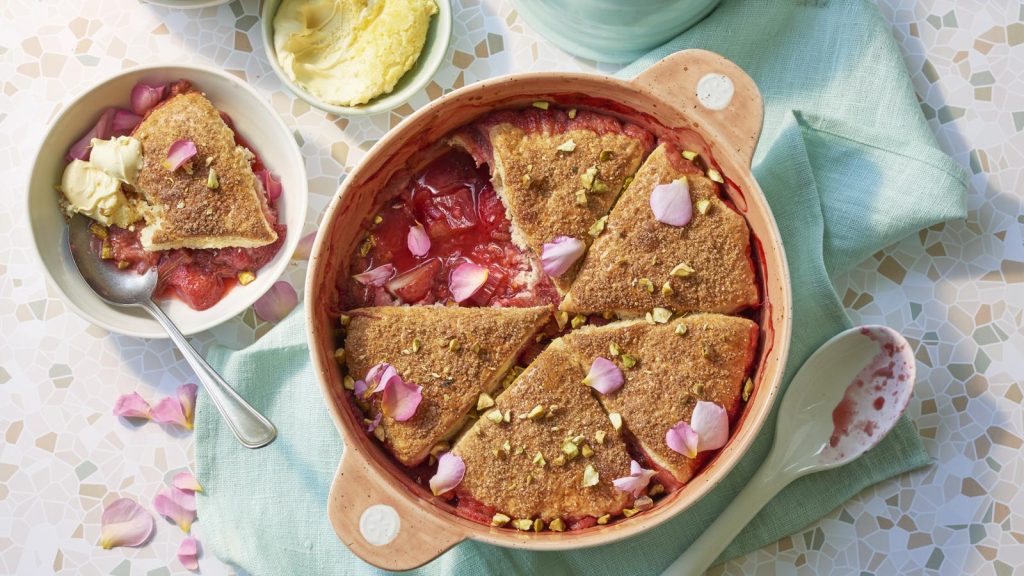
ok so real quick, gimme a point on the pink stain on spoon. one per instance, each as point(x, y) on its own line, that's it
point(864, 415)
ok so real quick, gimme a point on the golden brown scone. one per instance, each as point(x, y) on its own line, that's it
point(513, 481)
point(709, 361)
point(183, 211)
point(629, 266)
point(452, 375)
point(548, 191)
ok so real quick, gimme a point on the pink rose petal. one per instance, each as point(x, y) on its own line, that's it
point(271, 185)
point(125, 523)
point(560, 254)
point(418, 241)
point(144, 97)
point(450, 470)
point(305, 247)
point(708, 430)
point(178, 411)
point(124, 122)
point(683, 439)
point(466, 279)
point(132, 406)
point(379, 376)
point(400, 399)
point(188, 553)
point(360, 387)
point(173, 504)
point(711, 422)
point(277, 302)
point(671, 203)
point(604, 376)
point(181, 151)
point(185, 481)
point(375, 276)
point(82, 149)
point(637, 480)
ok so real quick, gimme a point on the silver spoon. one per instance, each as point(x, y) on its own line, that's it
point(120, 288)
point(846, 397)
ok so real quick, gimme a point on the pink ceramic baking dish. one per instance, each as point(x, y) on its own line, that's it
point(376, 509)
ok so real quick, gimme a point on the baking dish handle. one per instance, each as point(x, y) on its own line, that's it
point(715, 94)
point(380, 524)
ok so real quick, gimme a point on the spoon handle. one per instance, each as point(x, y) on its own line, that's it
point(251, 428)
point(760, 489)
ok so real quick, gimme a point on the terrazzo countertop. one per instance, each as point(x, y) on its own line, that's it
point(955, 290)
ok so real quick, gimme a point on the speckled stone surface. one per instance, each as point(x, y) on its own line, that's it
point(956, 291)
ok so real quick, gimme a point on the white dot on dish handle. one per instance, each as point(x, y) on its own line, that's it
point(715, 91)
point(379, 524)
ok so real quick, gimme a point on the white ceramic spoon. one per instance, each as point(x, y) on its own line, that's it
point(846, 397)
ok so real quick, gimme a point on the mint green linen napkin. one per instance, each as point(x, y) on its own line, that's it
point(848, 165)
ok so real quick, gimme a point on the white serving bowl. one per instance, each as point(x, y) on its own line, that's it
point(434, 49)
point(253, 118)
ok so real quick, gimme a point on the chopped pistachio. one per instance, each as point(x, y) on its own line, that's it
point(570, 450)
point(598, 226)
point(245, 277)
point(604, 519)
point(586, 451)
point(661, 315)
point(627, 182)
point(578, 320)
point(606, 155)
point(211, 180)
point(378, 433)
point(698, 389)
point(587, 178)
point(708, 352)
point(494, 416)
point(541, 104)
point(628, 361)
point(608, 315)
point(557, 525)
point(581, 197)
point(500, 519)
point(628, 512)
point(454, 346)
point(339, 356)
point(536, 412)
point(703, 205)
point(715, 176)
point(600, 186)
point(649, 318)
point(348, 382)
point(524, 524)
point(98, 230)
point(551, 411)
point(345, 319)
point(643, 503)
point(475, 348)
point(655, 490)
point(538, 459)
point(559, 461)
point(538, 525)
point(561, 317)
point(682, 270)
point(616, 420)
point(506, 447)
point(209, 160)
point(567, 146)
point(590, 476)
point(689, 155)
point(571, 113)
point(484, 401)
point(519, 450)
point(107, 251)
point(646, 284)
point(525, 179)
point(507, 416)
point(417, 344)
point(748, 389)
point(614, 349)
point(367, 245)
point(599, 436)
point(377, 219)
point(681, 329)
point(666, 289)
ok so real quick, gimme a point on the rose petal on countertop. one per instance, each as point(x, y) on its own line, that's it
point(170, 504)
point(188, 553)
point(132, 406)
point(277, 302)
point(125, 523)
point(186, 481)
